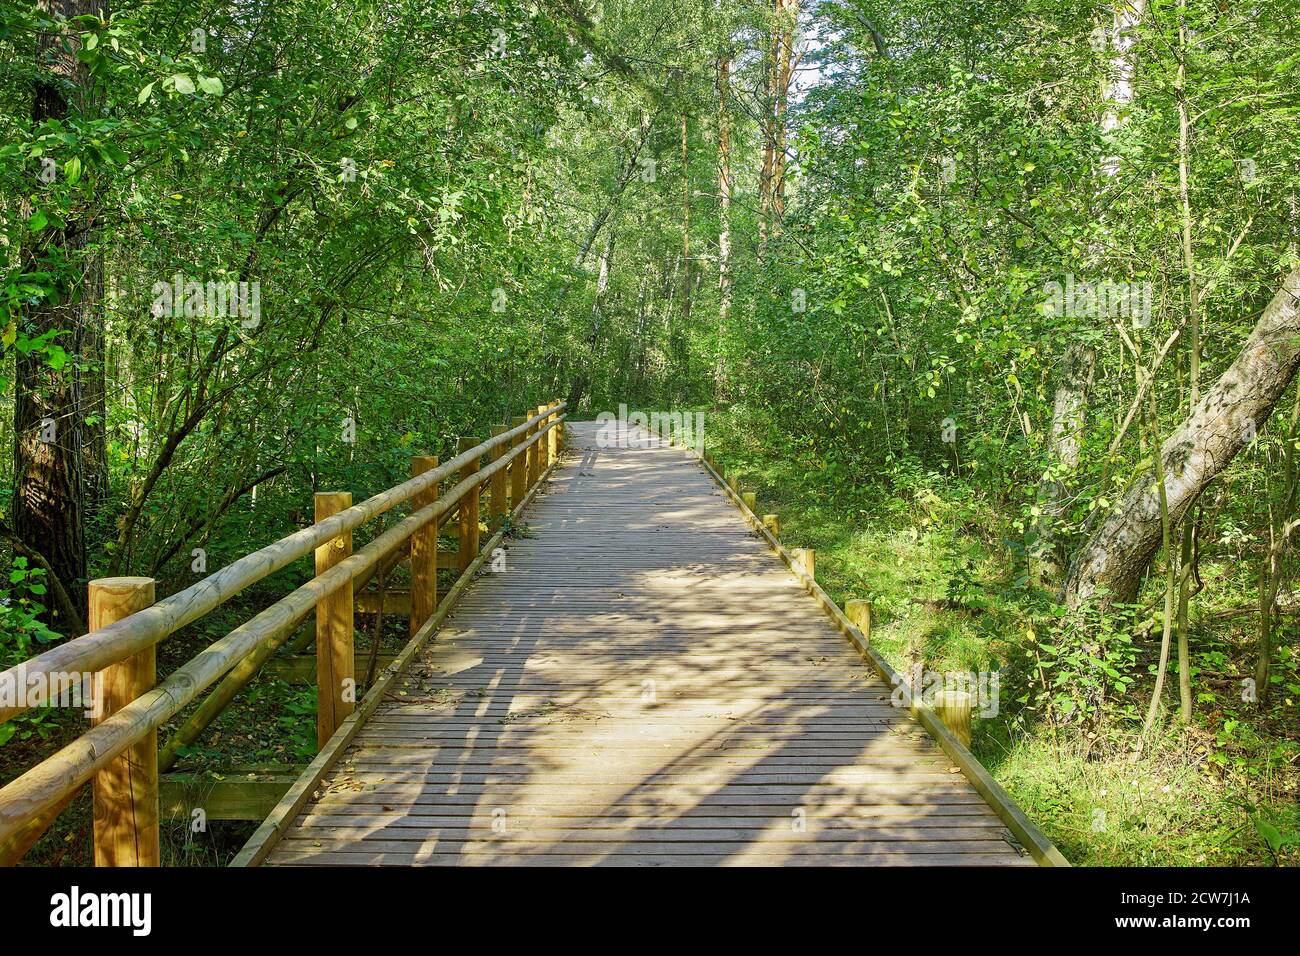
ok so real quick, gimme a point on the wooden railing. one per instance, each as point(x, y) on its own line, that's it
point(120, 755)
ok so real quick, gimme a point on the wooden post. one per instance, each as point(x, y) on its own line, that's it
point(497, 485)
point(804, 560)
point(750, 499)
point(858, 612)
point(553, 437)
point(533, 453)
point(543, 443)
point(734, 484)
point(469, 508)
point(125, 791)
point(518, 467)
point(336, 688)
point(953, 708)
point(773, 524)
point(424, 551)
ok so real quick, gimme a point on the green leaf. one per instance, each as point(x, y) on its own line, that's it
point(38, 221)
point(72, 169)
point(183, 83)
point(145, 93)
point(1270, 833)
point(211, 85)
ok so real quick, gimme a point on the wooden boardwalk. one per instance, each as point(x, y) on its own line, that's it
point(644, 684)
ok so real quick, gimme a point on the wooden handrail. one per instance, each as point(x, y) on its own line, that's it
point(51, 672)
point(38, 793)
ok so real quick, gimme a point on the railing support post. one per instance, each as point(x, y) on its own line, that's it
point(858, 612)
point(533, 453)
point(336, 692)
point(804, 562)
point(773, 524)
point(497, 485)
point(543, 444)
point(469, 508)
point(424, 551)
point(553, 437)
point(953, 708)
point(126, 791)
point(518, 467)
point(750, 499)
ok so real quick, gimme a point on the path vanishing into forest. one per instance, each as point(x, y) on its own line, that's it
point(645, 684)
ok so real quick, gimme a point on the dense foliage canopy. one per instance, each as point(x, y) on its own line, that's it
point(992, 259)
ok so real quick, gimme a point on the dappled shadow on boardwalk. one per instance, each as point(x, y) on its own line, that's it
point(644, 685)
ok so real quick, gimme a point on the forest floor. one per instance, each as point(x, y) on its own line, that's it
point(937, 563)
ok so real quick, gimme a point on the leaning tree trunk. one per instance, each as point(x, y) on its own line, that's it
point(1225, 420)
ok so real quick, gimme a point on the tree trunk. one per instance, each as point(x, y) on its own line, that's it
point(767, 130)
point(724, 218)
point(789, 16)
point(1224, 421)
point(51, 441)
point(686, 225)
point(583, 378)
point(1120, 90)
point(1068, 408)
point(1194, 367)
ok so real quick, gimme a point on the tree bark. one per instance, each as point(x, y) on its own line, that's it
point(1109, 567)
point(724, 217)
point(1068, 409)
point(789, 16)
point(1127, 18)
point(767, 130)
point(1070, 404)
point(686, 224)
point(52, 440)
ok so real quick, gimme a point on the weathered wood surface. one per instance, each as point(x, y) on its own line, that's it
point(645, 684)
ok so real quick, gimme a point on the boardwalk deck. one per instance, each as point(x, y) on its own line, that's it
point(645, 684)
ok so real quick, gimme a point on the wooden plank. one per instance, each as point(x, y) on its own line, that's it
point(368, 857)
point(301, 668)
point(245, 796)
